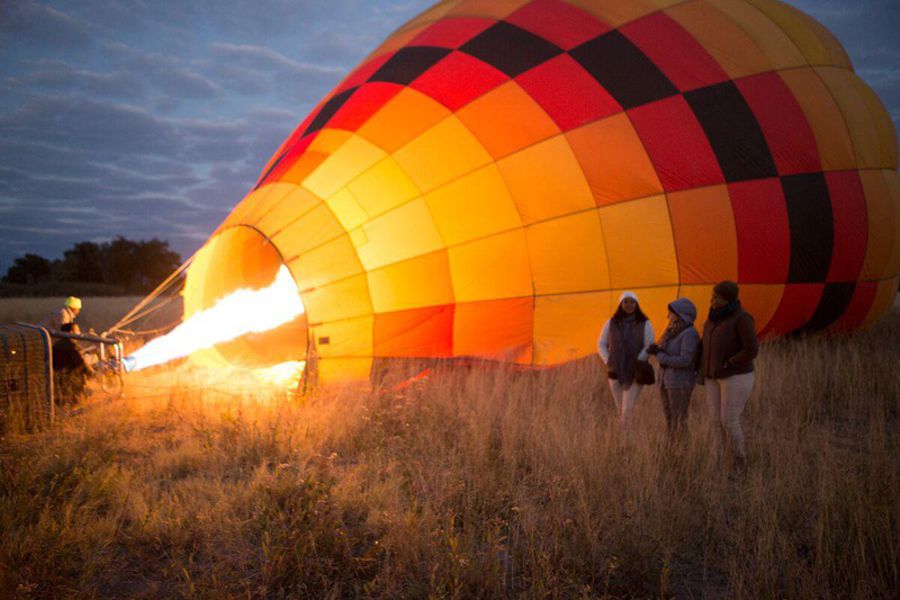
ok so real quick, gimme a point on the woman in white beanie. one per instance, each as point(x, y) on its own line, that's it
point(623, 342)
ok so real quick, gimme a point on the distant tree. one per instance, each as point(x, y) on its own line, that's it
point(155, 261)
point(132, 266)
point(82, 262)
point(28, 270)
point(138, 266)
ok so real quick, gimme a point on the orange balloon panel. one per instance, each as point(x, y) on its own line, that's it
point(491, 178)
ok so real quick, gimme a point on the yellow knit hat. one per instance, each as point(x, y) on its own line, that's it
point(73, 302)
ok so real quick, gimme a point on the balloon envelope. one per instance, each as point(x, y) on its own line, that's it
point(490, 179)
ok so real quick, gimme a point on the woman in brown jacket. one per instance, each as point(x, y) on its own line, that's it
point(729, 347)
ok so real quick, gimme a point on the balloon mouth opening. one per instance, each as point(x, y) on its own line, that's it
point(241, 259)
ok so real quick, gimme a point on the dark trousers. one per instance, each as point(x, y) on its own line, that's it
point(675, 406)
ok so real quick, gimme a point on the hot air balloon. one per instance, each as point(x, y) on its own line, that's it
point(491, 177)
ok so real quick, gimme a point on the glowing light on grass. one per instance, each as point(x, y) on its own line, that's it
point(244, 311)
point(286, 374)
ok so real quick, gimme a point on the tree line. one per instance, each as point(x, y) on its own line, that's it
point(120, 266)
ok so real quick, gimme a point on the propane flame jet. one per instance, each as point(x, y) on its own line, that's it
point(244, 311)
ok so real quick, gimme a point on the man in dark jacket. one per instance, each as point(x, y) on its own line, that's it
point(729, 347)
point(70, 368)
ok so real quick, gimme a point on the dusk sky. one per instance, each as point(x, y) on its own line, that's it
point(153, 119)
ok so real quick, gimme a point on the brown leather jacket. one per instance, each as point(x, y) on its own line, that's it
point(729, 346)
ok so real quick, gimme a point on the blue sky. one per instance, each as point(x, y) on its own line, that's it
point(151, 118)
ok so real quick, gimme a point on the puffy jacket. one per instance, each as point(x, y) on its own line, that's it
point(677, 357)
point(729, 346)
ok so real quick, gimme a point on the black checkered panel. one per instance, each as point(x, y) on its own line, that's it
point(733, 132)
point(510, 49)
point(408, 63)
point(626, 72)
point(812, 227)
point(328, 110)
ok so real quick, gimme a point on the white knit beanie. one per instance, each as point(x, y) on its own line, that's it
point(627, 294)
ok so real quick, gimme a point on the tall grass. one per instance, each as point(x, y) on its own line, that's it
point(98, 313)
point(470, 484)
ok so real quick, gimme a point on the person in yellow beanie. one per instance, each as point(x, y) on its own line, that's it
point(67, 314)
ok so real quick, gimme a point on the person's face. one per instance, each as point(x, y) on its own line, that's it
point(75, 311)
point(629, 306)
point(717, 301)
point(673, 318)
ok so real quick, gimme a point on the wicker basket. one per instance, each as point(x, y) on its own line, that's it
point(26, 378)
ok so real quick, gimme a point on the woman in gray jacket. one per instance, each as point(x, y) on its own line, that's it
point(676, 353)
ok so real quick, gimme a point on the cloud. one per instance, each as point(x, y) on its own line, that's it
point(94, 128)
point(67, 80)
point(35, 23)
point(172, 78)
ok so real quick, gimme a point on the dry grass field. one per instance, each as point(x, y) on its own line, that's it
point(467, 485)
point(97, 313)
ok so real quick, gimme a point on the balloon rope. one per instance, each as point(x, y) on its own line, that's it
point(131, 315)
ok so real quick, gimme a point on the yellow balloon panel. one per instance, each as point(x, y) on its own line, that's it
point(732, 48)
point(779, 48)
point(860, 122)
point(237, 214)
point(304, 165)
point(343, 299)
point(334, 261)
point(614, 12)
point(398, 235)
point(706, 254)
point(430, 15)
point(892, 178)
point(314, 229)
point(414, 109)
point(446, 151)
point(761, 301)
point(824, 117)
point(639, 243)
point(885, 297)
point(344, 339)
point(347, 209)
point(421, 281)
point(507, 119)
point(329, 141)
point(492, 9)
point(352, 158)
point(614, 160)
point(337, 372)
point(884, 125)
point(481, 193)
point(567, 254)
point(566, 327)
point(817, 44)
point(882, 228)
point(383, 187)
point(276, 210)
point(491, 268)
point(495, 329)
point(546, 181)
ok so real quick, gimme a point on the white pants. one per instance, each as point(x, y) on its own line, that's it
point(625, 401)
point(726, 399)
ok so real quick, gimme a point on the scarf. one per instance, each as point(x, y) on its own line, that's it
point(627, 341)
point(672, 332)
point(720, 314)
